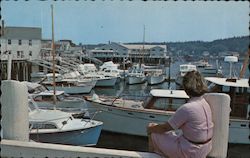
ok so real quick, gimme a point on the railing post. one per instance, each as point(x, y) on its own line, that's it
point(14, 101)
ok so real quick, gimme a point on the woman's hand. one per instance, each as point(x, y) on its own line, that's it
point(158, 128)
point(150, 127)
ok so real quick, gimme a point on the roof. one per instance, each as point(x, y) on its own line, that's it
point(29, 33)
point(223, 82)
point(140, 46)
point(169, 93)
point(48, 115)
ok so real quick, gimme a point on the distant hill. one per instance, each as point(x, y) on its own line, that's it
point(234, 44)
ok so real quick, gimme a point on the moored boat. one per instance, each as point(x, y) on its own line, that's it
point(54, 126)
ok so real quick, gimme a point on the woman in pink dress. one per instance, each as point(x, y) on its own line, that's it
point(194, 121)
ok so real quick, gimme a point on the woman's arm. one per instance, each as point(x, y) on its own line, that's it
point(159, 128)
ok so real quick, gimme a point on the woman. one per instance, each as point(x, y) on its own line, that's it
point(194, 119)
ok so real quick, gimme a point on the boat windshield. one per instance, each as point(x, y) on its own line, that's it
point(166, 104)
point(43, 125)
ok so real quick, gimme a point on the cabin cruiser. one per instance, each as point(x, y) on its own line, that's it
point(54, 126)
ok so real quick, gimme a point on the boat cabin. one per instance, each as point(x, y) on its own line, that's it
point(48, 96)
point(167, 100)
point(239, 92)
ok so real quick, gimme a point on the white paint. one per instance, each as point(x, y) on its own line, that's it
point(12, 148)
point(14, 100)
point(220, 106)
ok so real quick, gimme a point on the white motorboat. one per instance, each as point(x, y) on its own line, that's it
point(155, 76)
point(89, 71)
point(54, 126)
point(64, 102)
point(136, 75)
point(132, 117)
point(70, 86)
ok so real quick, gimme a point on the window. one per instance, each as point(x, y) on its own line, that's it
point(30, 42)
point(22, 54)
point(30, 53)
point(18, 54)
point(43, 126)
point(20, 42)
point(9, 41)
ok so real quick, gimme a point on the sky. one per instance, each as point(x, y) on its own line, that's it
point(93, 22)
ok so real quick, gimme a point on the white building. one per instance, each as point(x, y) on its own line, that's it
point(22, 42)
point(134, 51)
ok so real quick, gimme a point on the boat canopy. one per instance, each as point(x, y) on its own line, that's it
point(49, 93)
point(223, 82)
point(48, 115)
point(169, 93)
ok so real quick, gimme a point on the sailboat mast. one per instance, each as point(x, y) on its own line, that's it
point(143, 44)
point(53, 57)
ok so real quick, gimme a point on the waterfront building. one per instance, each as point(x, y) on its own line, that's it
point(133, 52)
point(23, 43)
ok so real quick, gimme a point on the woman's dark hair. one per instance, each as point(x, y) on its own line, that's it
point(194, 84)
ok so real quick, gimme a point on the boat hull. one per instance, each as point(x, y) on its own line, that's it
point(136, 80)
point(84, 137)
point(73, 89)
point(106, 82)
point(152, 80)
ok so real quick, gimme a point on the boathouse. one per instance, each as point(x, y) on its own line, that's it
point(21, 44)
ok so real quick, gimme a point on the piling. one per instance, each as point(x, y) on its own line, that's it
point(14, 100)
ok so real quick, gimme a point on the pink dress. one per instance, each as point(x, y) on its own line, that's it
point(195, 121)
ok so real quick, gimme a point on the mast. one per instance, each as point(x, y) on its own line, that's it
point(53, 59)
point(143, 45)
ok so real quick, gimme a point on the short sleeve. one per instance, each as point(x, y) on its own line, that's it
point(179, 118)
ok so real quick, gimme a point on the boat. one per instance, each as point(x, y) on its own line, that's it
point(239, 91)
point(111, 70)
point(55, 126)
point(136, 75)
point(76, 76)
point(202, 64)
point(64, 102)
point(89, 71)
point(69, 86)
point(155, 76)
point(184, 68)
point(208, 70)
point(131, 117)
point(158, 107)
